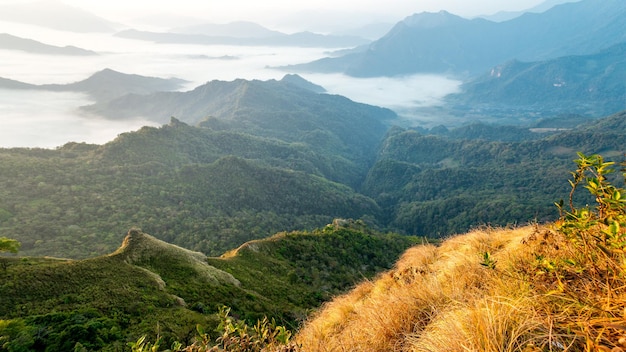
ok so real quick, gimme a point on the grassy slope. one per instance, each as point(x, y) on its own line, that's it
point(151, 287)
point(304, 269)
point(145, 285)
point(451, 298)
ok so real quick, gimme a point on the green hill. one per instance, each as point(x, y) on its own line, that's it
point(202, 190)
point(149, 287)
point(342, 133)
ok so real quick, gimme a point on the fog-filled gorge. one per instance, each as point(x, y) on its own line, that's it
point(46, 119)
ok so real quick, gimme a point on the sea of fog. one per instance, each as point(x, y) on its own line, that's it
point(50, 119)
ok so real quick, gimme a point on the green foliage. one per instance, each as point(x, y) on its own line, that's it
point(104, 302)
point(233, 335)
point(587, 275)
point(488, 261)
point(9, 245)
point(435, 186)
point(237, 336)
point(16, 336)
point(602, 227)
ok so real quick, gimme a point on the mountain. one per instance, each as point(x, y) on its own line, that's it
point(298, 81)
point(105, 85)
point(203, 189)
point(10, 42)
point(6, 83)
point(108, 84)
point(103, 302)
point(445, 43)
point(509, 15)
point(299, 39)
point(327, 124)
point(211, 189)
point(55, 15)
point(586, 84)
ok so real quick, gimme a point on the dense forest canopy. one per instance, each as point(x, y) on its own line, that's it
point(212, 190)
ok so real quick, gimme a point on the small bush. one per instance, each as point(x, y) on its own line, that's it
point(592, 277)
point(235, 336)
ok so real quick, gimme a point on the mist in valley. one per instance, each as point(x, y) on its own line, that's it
point(50, 119)
point(35, 118)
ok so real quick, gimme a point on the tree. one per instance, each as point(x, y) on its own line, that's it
point(8, 245)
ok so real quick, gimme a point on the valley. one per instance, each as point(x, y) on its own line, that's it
point(175, 186)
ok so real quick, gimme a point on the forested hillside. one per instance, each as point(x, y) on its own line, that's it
point(435, 186)
point(204, 190)
point(211, 190)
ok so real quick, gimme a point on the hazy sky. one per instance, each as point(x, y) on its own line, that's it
point(275, 11)
point(270, 8)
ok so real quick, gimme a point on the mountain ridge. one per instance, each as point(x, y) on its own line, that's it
point(299, 39)
point(584, 84)
point(11, 42)
point(104, 85)
point(465, 47)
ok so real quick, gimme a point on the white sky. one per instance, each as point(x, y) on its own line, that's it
point(274, 11)
point(270, 8)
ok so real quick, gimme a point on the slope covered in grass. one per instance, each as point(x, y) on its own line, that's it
point(435, 299)
point(148, 287)
point(450, 298)
point(559, 287)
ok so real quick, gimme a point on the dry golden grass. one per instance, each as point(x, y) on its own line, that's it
point(451, 298)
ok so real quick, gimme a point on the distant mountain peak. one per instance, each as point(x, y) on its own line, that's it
point(300, 82)
point(432, 19)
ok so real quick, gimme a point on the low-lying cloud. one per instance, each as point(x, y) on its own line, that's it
point(50, 119)
point(407, 92)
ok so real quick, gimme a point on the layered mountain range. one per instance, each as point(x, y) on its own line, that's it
point(272, 197)
point(446, 43)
